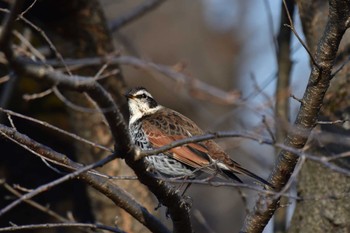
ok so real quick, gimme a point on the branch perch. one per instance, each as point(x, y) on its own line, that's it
point(318, 84)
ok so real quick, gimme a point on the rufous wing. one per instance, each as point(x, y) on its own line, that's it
point(191, 154)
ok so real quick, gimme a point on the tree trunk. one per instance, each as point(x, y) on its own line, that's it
point(325, 207)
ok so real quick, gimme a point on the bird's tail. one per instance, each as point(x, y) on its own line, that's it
point(244, 171)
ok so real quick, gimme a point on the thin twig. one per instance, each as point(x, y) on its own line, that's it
point(293, 177)
point(28, 8)
point(291, 26)
point(213, 93)
point(72, 105)
point(200, 218)
point(36, 204)
point(268, 128)
point(119, 196)
point(296, 98)
point(332, 122)
point(244, 200)
point(28, 97)
point(4, 79)
point(338, 156)
point(32, 150)
point(61, 225)
point(199, 138)
point(33, 51)
point(64, 132)
point(54, 183)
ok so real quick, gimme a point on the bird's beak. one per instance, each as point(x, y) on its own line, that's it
point(129, 96)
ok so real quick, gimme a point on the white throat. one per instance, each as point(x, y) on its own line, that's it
point(137, 113)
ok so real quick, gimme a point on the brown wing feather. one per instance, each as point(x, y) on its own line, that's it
point(181, 153)
point(167, 126)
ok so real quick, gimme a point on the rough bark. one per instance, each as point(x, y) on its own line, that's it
point(311, 103)
point(330, 210)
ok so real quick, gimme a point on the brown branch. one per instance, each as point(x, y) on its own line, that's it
point(319, 81)
point(52, 155)
point(103, 185)
point(50, 185)
point(61, 225)
point(47, 125)
point(34, 204)
point(191, 84)
point(167, 196)
point(178, 209)
point(134, 14)
point(292, 28)
point(200, 138)
point(296, 151)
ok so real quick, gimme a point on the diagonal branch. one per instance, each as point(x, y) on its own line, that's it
point(61, 225)
point(319, 81)
point(47, 125)
point(178, 209)
point(167, 196)
point(50, 185)
point(103, 185)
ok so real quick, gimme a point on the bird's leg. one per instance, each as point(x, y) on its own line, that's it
point(187, 200)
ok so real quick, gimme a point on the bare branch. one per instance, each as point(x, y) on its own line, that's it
point(28, 8)
point(48, 186)
point(47, 125)
point(177, 209)
point(200, 218)
point(103, 185)
point(35, 204)
point(200, 138)
point(319, 81)
point(28, 97)
point(115, 120)
point(212, 93)
point(4, 79)
point(61, 225)
point(291, 26)
point(332, 122)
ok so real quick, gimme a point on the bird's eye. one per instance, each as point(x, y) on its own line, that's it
point(141, 96)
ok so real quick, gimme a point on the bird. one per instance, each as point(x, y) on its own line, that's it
point(152, 126)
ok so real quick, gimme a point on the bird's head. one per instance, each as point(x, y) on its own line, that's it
point(141, 103)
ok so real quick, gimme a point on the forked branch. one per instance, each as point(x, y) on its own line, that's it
point(319, 80)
